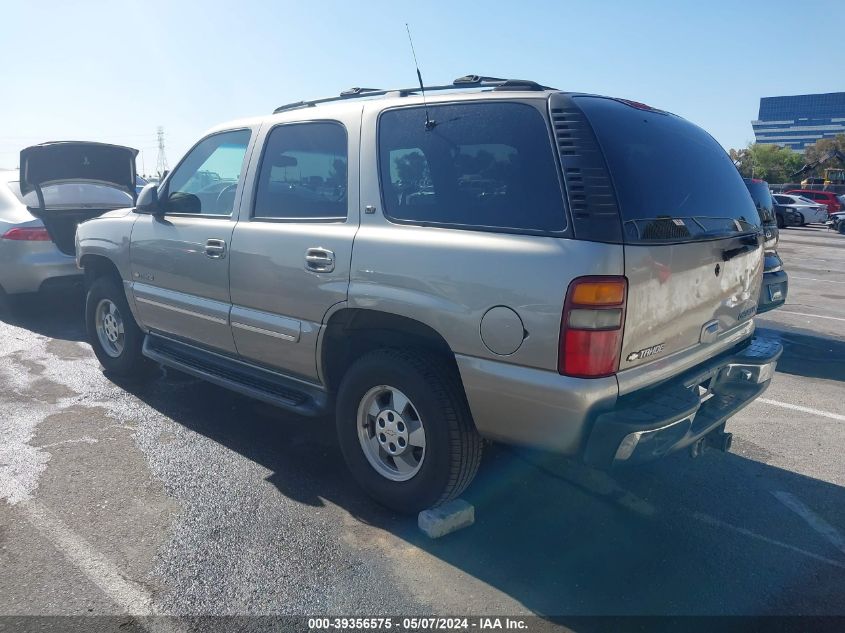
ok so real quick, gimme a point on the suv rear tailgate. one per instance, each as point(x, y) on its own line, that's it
point(693, 241)
point(680, 309)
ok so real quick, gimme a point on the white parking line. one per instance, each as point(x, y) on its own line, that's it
point(798, 407)
point(130, 597)
point(814, 316)
point(705, 518)
point(813, 520)
point(827, 281)
point(100, 571)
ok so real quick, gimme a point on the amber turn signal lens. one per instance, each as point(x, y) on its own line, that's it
point(599, 293)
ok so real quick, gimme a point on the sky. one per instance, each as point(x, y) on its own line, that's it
point(114, 71)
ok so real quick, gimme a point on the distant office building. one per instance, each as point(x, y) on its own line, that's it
point(799, 120)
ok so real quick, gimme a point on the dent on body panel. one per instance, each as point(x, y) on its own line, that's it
point(675, 285)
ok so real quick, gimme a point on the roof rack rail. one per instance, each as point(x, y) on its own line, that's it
point(461, 83)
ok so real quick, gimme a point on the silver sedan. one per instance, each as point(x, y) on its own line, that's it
point(31, 256)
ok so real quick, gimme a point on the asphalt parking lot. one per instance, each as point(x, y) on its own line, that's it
point(177, 497)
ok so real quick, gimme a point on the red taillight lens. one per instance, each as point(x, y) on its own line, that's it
point(24, 234)
point(591, 327)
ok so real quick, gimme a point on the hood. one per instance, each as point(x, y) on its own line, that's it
point(75, 161)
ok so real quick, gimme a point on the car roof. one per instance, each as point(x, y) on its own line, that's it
point(337, 108)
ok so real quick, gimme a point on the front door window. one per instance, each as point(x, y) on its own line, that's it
point(206, 181)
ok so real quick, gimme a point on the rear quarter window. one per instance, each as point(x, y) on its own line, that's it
point(673, 181)
point(482, 166)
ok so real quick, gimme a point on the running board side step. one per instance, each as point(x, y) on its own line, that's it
point(255, 382)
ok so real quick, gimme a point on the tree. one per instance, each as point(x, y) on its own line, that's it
point(772, 163)
point(412, 169)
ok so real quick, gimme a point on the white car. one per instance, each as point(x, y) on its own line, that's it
point(812, 212)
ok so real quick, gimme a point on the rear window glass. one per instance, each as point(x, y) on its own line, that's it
point(673, 181)
point(483, 165)
point(762, 197)
point(77, 195)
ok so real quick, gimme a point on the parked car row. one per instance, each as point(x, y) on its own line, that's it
point(433, 279)
point(775, 280)
point(834, 202)
point(795, 210)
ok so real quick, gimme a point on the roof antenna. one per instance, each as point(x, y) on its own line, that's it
point(429, 123)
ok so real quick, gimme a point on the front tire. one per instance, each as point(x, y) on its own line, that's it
point(112, 331)
point(405, 430)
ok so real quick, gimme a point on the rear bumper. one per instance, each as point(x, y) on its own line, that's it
point(26, 266)
point(773, 292)
point(674, 415)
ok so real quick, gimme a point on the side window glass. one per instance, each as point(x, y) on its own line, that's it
point(303, 173)
point(206, 181)
point(410, 178)
point(487, 165)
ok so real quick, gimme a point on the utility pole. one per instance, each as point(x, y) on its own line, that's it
point(161, 165)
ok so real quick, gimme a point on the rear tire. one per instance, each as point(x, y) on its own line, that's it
point(112, 331)
point(780, 223)
point(405, 429)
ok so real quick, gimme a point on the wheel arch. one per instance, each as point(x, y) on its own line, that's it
point(96, 266)
point(352, 332)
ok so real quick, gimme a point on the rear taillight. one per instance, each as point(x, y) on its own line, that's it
point(26, 234)
point(591, 327)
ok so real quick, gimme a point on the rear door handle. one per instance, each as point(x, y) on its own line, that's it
point(319, 260)
point(215, 249)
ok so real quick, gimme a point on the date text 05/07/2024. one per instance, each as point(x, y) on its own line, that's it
point(417, 624)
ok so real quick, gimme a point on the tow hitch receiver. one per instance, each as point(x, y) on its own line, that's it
point(717, 439)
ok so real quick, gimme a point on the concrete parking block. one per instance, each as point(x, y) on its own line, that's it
point(445, 519)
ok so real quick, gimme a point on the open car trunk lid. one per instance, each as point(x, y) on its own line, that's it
point(67, 182)
point(691, 232)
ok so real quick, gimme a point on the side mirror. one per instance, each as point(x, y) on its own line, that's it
point(148, 200)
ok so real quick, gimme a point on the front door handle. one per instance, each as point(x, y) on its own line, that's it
point(215, 249)
point(319, 260)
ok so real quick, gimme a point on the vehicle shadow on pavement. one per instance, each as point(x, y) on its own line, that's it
point(681, 536)
point(807, 354)
point(706, 536)
point(57, 314)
